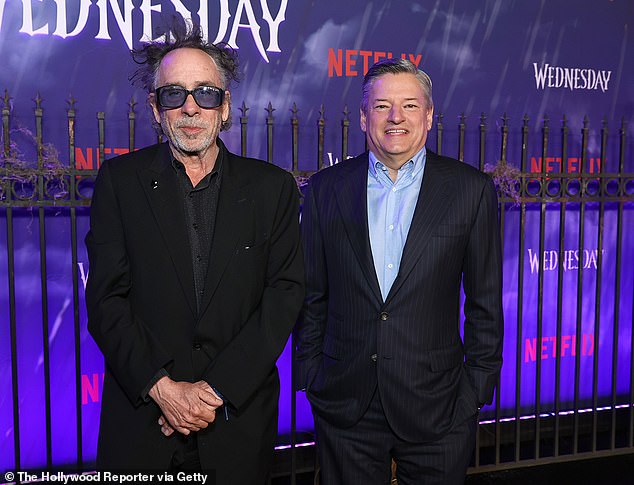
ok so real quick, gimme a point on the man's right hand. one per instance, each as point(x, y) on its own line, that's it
point(186, 406)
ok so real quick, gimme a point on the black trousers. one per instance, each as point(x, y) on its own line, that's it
point(186, 457)
point(363, 453)
point(236, 456)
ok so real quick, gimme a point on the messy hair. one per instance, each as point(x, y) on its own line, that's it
point(184, 35)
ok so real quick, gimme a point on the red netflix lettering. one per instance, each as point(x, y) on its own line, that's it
point(335, 63)
point(549, 348)
point(348, 62)
point(553, 165)
point(88, 158)
point(91, 387)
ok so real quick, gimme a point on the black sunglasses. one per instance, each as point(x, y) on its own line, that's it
point(171, 97)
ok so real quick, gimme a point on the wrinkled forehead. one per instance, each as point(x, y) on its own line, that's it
point(188, 67)
point(396, 86)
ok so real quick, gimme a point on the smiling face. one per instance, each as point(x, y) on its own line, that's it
point(190, 129)
point(397, 119)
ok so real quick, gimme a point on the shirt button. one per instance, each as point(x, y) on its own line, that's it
point(197, 346)
point(390, 265)
point(384, 316)
point(393, 189)
point(391, 227)
point(374, 357)
point(198, 258)
point(195, 226)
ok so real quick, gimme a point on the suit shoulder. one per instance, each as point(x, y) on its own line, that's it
point(257, 166)
point(339, 170)
point(267, 179)
point(461, 169)
point(133, 160)
point(256, 170)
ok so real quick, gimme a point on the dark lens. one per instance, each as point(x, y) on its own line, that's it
point(171, 96)
point(208, 96)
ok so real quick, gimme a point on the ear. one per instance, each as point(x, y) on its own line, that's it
point(430, 118)
point(226, 106)
point(155, 109)
point(362, 120)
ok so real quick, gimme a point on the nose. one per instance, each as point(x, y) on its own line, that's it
point(190, 107)
point(396, 114)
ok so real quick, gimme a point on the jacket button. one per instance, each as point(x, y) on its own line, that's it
point(197, 346)
point(384, 316)
point(374, 357)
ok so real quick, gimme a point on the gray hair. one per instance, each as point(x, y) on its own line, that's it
point(394, 66)
point(184, 35)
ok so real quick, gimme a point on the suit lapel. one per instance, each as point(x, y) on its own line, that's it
point(160, 185)
point(433, 202)
point(352, 199)
point(234, 207)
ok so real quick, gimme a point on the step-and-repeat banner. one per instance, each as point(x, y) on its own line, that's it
point(534, 59)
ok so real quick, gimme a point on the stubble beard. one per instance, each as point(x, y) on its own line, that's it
point(189, 144)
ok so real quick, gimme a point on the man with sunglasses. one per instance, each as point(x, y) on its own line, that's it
point(196, 278)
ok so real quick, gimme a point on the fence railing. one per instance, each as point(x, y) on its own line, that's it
point(557, 426)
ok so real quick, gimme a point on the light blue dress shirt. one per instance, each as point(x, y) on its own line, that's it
point(390, 211)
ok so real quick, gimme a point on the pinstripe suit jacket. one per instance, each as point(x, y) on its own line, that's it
point(350, 341)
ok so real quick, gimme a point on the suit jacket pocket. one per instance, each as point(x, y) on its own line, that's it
point(331, 364)
point(250, 248)
point(333, 348)
point(447, 358)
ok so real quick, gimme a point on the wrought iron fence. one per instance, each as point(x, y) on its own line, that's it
point(549, 432)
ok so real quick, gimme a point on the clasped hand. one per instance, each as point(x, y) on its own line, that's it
point(186, 406)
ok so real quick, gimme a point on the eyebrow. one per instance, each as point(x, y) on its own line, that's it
point(196, 84)
point(386, 100)
point(205, 83)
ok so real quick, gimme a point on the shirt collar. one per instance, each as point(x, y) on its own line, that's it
point(178, 166)
point(417, 163)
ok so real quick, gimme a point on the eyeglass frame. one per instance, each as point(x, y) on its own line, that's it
point(187, 92)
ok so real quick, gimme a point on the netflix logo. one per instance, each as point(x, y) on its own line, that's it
point(88, 158)
point(570, 165)
point(550, 348)
point(352, 62)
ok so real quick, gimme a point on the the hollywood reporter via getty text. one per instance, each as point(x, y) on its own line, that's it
point(125, 477)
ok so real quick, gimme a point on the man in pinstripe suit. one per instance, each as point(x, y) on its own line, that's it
point(389, 237)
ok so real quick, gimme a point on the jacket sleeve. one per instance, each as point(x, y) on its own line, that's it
point(482, 280)
point(131, 351)
point(312, 321)
point(243, 365)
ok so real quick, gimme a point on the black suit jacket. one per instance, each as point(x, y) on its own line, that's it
point(350, 341)
point(142, 307)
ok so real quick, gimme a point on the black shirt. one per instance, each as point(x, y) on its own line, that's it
point(200, 204)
